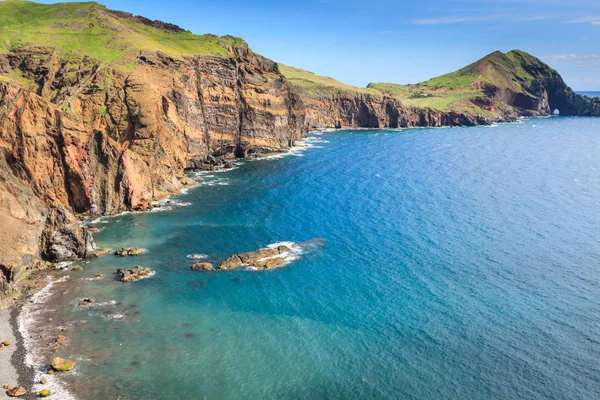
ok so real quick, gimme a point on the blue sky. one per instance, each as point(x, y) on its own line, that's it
point(396, 41)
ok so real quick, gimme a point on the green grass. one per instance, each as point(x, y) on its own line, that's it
point(311, 85)
point(79, 29)
point(453, 91)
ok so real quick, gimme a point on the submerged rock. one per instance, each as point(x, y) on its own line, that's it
point(203, 266)
point(87, 302)
point(135, 274)
point(129, 252)
point(17, 391)
point(62, 365)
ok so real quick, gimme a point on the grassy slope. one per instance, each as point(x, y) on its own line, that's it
point(453, 91)
point(90, 29)
point(312, 86)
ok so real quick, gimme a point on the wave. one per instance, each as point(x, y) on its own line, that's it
point(197, 256)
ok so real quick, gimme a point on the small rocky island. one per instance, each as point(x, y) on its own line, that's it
point(266, 258)
point(129, 252)
point(135, 274)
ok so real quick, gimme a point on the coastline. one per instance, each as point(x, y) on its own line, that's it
point(18, 318)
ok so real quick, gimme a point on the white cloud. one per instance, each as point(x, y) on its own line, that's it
point(594, 57)
point(480, 18)
point(592, 19)
point(457, 20)
point(535, 18)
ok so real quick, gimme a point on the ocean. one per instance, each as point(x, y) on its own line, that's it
point(457, 263)
point(590, 93)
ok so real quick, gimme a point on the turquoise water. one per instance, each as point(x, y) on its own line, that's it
point(456, 264)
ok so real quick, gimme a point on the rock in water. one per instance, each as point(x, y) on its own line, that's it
point(266, 258)
point(203, 266)
point(62, 365)
point(87, 302)
point(129, 252)
point(231, 263)
point(45, 393)
point(135, 274)
point(102, 252)
point(269, 263)
point(17, 391)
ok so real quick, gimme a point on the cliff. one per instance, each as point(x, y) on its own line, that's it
point(83, 134)
point(499, 87)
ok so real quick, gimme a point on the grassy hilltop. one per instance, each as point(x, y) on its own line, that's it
point(450, 92)
point(92, 30)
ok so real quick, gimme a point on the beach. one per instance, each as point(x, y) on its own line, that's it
point(8, 373)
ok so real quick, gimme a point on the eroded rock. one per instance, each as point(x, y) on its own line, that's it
point(135, 274)
point(62, 365)
point(129, 252)
point(17, 391)
point(202, 266)
point(265, 258)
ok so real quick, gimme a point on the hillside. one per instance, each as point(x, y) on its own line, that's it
point(497, 87)
point(102, 112)
point(90, 29)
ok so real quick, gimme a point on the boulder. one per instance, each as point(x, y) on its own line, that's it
point(102, 252)
point(283, 249)
point(136, 273)
point(203, 266)
point(269, 263)
point(60, 364)
point(252, 257)
point(231, 263)
point(87, 302)
point(7, 342)
point(45, 393)
point(43, 381)
point(129, 252)
point(17, 391)
point(266, 258)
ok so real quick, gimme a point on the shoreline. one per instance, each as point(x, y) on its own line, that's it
point(21, 370)
point(13, 368)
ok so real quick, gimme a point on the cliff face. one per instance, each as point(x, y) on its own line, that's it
point(367, 111)
point(499, 87)
point(83, 138)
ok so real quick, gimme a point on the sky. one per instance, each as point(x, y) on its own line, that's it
point(365, 41)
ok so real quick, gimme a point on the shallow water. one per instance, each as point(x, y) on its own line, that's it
point(456, 264)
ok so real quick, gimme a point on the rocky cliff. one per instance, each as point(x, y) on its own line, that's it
point(499, 87)
point(82, 136)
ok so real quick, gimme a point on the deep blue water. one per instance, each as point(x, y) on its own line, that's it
point(457, 264)
point(590, 93)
